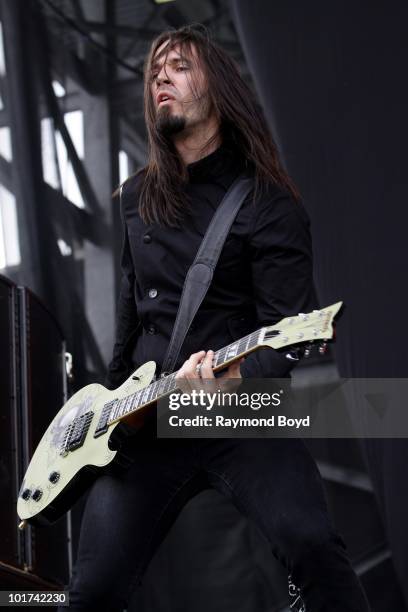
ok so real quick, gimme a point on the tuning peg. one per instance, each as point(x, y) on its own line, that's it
point(323, 348)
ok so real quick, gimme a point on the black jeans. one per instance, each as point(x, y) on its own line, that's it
point(273, 482)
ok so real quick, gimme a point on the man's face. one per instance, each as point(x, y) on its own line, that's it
point(179, 90)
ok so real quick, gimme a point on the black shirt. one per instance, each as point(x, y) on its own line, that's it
point(264, 272)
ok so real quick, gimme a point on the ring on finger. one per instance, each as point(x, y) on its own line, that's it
point(198, 368)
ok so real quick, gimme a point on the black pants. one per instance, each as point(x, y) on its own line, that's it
point(275, 483)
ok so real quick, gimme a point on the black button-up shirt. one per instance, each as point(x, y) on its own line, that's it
point(264, 272)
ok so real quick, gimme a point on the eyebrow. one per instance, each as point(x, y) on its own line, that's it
point(173, 60)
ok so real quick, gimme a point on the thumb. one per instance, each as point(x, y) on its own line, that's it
point(234, 369)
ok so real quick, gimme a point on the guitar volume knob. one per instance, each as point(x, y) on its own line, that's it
point(37, 495)
point(54, 477)
point(26, 494)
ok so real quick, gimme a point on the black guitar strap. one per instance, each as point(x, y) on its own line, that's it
point(200, 273)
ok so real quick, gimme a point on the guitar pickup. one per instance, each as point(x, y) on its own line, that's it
point(78, 431)
point(102, 426)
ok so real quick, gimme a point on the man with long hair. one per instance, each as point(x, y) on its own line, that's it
point(205, 128)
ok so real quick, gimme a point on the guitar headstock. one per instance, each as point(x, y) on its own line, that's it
point(316, 326)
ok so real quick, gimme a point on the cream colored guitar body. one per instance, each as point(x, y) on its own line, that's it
point(76, 447)
point(53, 477)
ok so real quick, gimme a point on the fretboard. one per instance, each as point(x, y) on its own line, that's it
point(117, 409)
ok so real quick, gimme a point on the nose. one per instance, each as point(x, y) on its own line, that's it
point(163, 77)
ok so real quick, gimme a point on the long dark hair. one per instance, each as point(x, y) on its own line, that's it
point(162, 198)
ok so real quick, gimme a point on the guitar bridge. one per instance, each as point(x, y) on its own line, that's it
point(76, 433)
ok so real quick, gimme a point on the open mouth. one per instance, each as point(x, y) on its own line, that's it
point(163, 97)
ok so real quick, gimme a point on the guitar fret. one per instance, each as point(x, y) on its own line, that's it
point(166, 384)
point(118, 409)
point(160, 386)
point(221, 356)
point(232, 350)
point(153, 391)
point(241, 345)
point(144, 394)
point(153, 394)
point(121, 407)
point(115, 410)
point(254, 339)
point(157, 387)
point(150, 393)
point(150, 390)
point(137, 398)
point(236, 348)
point(128, 406)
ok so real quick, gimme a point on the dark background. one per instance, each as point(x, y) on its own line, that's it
point(331, 78)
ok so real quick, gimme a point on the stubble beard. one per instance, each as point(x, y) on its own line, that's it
point(167, 124)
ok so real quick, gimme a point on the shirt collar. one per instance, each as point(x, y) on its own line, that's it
point(219, 165)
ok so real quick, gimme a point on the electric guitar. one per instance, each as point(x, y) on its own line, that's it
point(78, 443)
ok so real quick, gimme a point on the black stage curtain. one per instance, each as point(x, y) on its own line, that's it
point(331, 79)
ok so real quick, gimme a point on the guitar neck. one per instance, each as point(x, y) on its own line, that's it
point(120, 409)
